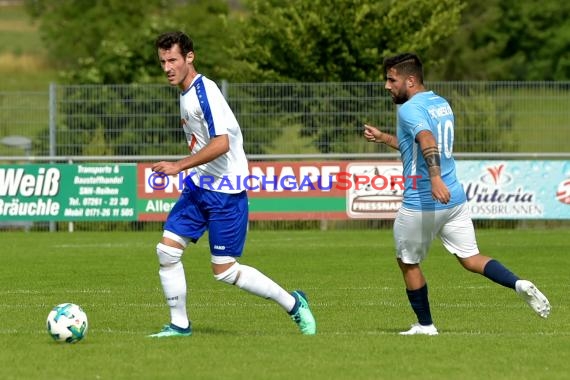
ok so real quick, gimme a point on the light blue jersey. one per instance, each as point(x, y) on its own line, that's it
point(427, 111)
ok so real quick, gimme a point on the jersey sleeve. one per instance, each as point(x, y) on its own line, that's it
point(413, 119)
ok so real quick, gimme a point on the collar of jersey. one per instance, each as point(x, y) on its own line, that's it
point(191, 84)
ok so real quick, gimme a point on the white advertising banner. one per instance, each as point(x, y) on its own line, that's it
point(516, 189)
point(534, 189)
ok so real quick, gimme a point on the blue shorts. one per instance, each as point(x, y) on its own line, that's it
point(224, 215)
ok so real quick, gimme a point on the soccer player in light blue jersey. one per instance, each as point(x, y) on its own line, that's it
point(434, 201)
point(216, 157)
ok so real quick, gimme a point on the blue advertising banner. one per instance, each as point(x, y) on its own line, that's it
point(516, 189)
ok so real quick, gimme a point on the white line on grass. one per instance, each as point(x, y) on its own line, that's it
point(442, 333)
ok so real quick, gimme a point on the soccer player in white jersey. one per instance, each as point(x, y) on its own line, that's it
point(213, 198)
point(435, 203)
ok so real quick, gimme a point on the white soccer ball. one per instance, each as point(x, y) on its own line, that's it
point(67, 323)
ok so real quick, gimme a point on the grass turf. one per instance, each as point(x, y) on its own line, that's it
point(354, 288)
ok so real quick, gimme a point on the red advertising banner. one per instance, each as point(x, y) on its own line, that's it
point(293, 190)
point(277, 191)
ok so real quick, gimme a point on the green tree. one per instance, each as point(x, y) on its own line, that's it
point(335, 41)
point(112, 41)
point(330, 41)
point(98, 41)
point(509, 40)
point(97, 146)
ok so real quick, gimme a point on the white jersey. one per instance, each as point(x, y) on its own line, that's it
point(205, 114)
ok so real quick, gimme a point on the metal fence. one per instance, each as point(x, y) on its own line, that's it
point(279, 120)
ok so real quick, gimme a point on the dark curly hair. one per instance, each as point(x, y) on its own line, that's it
point(168, 40)
point(407, 64)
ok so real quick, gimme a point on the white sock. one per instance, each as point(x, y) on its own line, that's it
point(255, 282)
point(174, 286)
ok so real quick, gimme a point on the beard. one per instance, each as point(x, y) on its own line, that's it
point(399, 98)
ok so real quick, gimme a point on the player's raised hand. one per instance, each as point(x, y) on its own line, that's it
point(372, 133)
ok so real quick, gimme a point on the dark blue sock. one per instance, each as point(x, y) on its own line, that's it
point(420, 304)
point(495, 271)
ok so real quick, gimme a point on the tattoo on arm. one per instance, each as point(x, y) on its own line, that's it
point(433, 161)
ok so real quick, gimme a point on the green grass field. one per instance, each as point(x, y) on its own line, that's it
point(353, 284)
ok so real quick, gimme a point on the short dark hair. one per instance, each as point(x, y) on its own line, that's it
point(407, 64)
point(168, 40)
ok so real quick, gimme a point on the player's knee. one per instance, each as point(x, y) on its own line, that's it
point(230, 275)
point(167, 255)
point(183, 241)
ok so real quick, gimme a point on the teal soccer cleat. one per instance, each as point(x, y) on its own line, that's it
point(171, 330)
point(302, 315)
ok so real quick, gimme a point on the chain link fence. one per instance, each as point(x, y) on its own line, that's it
point(280, 118)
